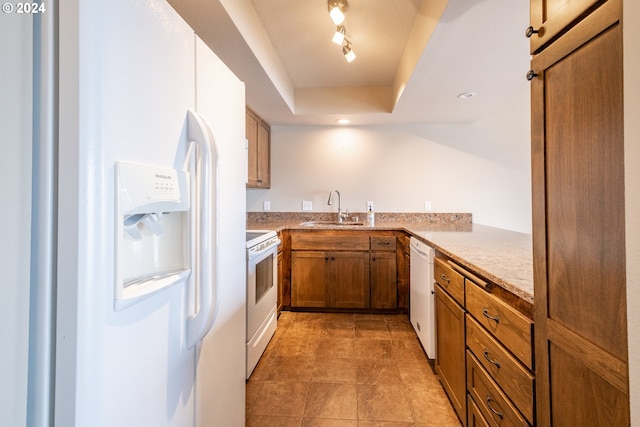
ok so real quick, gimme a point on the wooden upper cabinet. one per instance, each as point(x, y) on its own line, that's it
point(550, 18)
point(258, 134)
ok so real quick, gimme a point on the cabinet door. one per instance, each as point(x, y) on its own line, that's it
point(251, 133)
point(551, 17)
point(384, 277)
point(450, 351)
point(309, 279)
point(264, 155)
point(579, 236)
point(349, 280)
point(258, 136)
point(280, 281)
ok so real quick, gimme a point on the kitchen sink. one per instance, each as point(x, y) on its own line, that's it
point(331, 223)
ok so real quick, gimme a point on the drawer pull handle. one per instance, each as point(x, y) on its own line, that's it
point(498, 413)
point(445, 278)
point(488, 316)
point(493, 362)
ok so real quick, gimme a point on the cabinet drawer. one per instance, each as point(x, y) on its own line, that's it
point(492, 402)
point(329, 242)
point(506, 371)
point(475, 417)
point(503, 321)
point(450, 280)
point(383, 243)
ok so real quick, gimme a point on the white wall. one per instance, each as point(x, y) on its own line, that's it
point(631, 34)
point(482, 168)
point(15, 213)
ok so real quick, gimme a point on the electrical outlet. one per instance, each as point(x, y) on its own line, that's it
point(427, 205)
point(307, 205)
point(266, 205)
point(369, 206)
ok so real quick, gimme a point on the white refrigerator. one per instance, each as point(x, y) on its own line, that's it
point(128, 72)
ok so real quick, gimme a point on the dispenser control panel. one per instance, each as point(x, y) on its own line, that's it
point(139, 185)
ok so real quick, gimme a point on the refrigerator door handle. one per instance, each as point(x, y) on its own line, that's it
point(205, 229)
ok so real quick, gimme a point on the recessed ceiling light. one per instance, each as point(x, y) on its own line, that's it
point(343, 121)
point(467, 95)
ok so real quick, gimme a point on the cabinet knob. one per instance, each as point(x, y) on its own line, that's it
point(531, 74)
point(530, 31)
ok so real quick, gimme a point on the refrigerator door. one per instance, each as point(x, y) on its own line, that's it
point(220, 383)
point(16, 42)
point(127, 79)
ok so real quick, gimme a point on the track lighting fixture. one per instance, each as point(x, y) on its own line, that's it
point(337, 9)
point(348, 52)
point(338, 36)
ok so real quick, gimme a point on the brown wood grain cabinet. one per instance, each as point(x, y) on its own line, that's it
point(550, 18)
point(581, 355)
point(488, 398)
point(349, 280)
point(345, 269)
point(474, 416)
point(329, 270)
point(483, 348)
point(450, 350)
point(281, 273)
point(322, 279)
point(384, 272)
point(258, 134)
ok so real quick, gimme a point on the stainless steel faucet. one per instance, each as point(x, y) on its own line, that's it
point(341, 216)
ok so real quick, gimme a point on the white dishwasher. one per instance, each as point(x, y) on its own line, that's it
point(422, 295)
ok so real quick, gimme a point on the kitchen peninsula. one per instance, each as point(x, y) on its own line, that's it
point(503, 257)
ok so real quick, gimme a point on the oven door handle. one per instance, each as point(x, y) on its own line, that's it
point(253, 255)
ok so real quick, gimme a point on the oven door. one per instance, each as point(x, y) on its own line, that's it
point(262, 286)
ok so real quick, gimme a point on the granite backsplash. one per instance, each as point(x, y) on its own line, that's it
point(400, 217)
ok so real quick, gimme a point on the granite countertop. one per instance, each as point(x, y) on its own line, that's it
point(502, 256)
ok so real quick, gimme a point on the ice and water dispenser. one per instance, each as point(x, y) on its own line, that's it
point(152, 231)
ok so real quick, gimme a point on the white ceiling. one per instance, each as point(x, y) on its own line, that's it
point(294, 74)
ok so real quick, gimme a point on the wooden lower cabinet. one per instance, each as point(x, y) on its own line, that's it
point(492, 402)
point(346, 270)
point(349, 280)
point(322, 279)
point(483, 349)
point(310, 276)
point(280, 277)
point(450, 350)
point(384, 278)
point(474, 416)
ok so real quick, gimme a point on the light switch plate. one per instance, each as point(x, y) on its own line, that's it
point(307, 205)
point(266, 205)
point(427, 205)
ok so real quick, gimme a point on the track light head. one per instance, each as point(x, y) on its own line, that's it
point(338, 36)
point(337, 9)
point(349, 55)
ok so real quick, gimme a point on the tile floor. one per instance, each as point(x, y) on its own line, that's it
point(345, 370)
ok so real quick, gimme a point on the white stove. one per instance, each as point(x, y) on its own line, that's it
point(262, 292)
